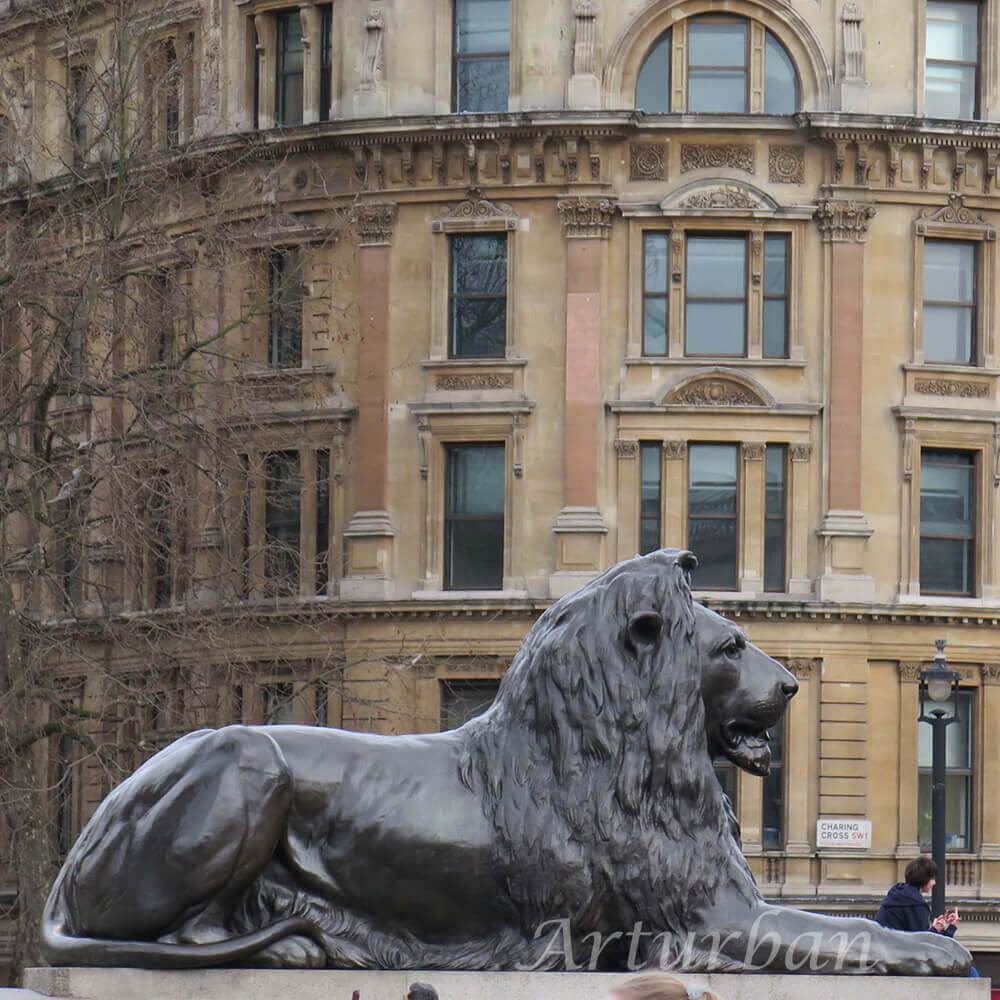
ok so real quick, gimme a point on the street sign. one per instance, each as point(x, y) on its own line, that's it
point(856, 833)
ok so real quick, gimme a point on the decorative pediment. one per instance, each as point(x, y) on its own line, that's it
point(721, 197)
point(718, 388)
point(476, 213)
point(954, 219)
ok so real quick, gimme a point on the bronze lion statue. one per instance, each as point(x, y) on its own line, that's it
point(578, 822)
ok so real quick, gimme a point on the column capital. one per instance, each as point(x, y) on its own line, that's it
point(991, 673)
point(625, 448)
point(674, 449)
point(842, 221)
point(375, 221)
point(804, 669)
point(909, 672)
point(584, 217)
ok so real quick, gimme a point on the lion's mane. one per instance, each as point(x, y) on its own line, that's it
point(593, 760)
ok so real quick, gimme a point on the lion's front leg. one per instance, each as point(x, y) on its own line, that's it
point(781, 939)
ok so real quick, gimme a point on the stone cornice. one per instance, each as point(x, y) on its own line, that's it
point(906, 129)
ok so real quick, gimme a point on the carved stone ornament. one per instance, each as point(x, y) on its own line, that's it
point(991, 673)
point(910, 672)
point(803, 669)
point(476, 380)
point(372, 63)
point(674, 449)
point(951, 387)
point(583, 45)
point(853, 60)
point(707, 156)
point(647, 161)
point(626, 449)
point(722, 197)
point(476, 212)
point(583, 217)
point(753, 451)
point(375, 222)
point(801, 452)
point(955, 213)
point(844, 221)
point(786, 164)
point(714, 392)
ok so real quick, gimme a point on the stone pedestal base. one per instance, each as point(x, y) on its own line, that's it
point(239, 984)
point(583, 91)
point(580, 534)
point(368, 538)
point(845, 535)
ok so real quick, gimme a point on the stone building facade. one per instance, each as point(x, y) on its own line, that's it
point(707, 273)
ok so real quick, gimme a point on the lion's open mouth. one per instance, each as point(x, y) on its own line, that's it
point(747, 744)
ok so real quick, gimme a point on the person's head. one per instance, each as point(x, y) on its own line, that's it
point(660, 986)
point(421, 991)
point(922, 873)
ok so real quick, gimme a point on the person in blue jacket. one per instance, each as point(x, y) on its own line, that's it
point(904, 907)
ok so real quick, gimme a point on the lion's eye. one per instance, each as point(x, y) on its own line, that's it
point(732, 648)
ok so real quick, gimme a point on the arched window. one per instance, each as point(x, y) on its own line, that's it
point(721, 76)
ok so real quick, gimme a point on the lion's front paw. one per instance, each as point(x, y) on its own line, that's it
point(941, 956)
point(295, 952)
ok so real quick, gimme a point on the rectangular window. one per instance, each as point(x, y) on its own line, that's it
point(716, 296)
point(278, 703)
point(775, 516)
point(651, 455)
point(79, 86)
point(171, 98)
point(713, 533)
point(322, 520)
point(949, 317)
point(952, 59)
point(478, 300)
point(282, 520)
point(6, 149)
point(325, 61)
point(288, 69)
point(729, 777)
point(776, 296)
point(773, 812)
point(159, 542)
point(474, 517)
point(321, 701)
point(655, 293)
point(717, 65)
point(257, 57)
point(947, 522)
point(285, 321)
point(482, 55)
point(462, 700)
point(958, 779)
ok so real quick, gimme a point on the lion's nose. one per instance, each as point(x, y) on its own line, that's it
point(789, 687)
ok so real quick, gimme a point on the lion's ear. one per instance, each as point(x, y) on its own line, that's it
point(644, 629)
point(688, 562)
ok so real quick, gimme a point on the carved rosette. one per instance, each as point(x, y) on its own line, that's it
point(626, 449)
point(715, 392)
point(707, 156)
point(786, 164)
point(950, 387)
point(647, 162)
point(586, 217)
point(844, 221)
point(376, 222)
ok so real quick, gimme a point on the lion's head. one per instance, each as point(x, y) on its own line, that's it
point(745, 692)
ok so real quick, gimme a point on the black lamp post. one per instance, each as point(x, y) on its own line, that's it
point(939, 707)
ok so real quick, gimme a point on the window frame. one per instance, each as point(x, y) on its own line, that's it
point(744, 298)
point(458, 57)
point(702, 19)
point(277, 262)
point(977, 65)
point(281, 75)
point(454, 296)
point(654, 451)
point(677, 230)
point(769, 449)
point(975, 472)
point(736, 518)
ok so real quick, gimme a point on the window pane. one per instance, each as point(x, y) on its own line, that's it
point(951, 91)
point(714, 542)
point(475, 555)
point(958, 738)
point(774, 555)
point(654, 337)
point(462, 700)
point(712, 472)
point(480, 328)
point(482, 84)
point(279, 704)
point(775, 479)
point(945, 566)
point(727, 774)
point(780, 84)
point(775, 265)
point(775, 328)
point(717, 90)
point(717, 43)
point(482, 26)
point(479, 264)
point(948, 334)
point(957, 792)
point(716, 266)
point(283, 489)
point(652, 92)
point(479, 296)
point(715, 328)
point(946, 494)
point(949, 270)
point(656, 262)
point(476, 480)
point(652, 464)
point(774, 793)
point(288, 108)
point(952, 31)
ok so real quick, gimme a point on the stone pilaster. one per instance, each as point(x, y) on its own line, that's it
point(584, 88)
point(845, 531)
point(371, 96)
point(368, 537)
point(580, 528)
